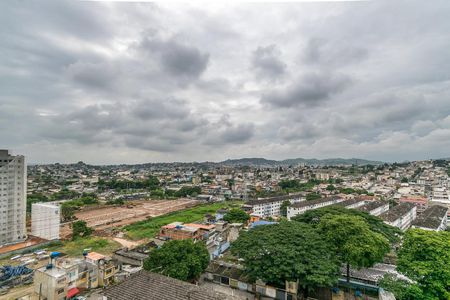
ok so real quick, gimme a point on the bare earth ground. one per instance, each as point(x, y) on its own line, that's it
point(107, 217)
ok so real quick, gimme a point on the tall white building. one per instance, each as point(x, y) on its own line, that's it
point(45, 219)
point(13, 191)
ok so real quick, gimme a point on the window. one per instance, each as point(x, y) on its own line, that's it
point(60, 291)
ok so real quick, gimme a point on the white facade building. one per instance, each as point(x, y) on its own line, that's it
point(45, 219)
point(375, 208)
point(400, 216)
point(301, 207)
point(13, 191)
point(270, 207)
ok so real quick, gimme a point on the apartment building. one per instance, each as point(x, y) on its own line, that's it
point(13, 175)
point(400, 216)
point(375, 208)
point(270, 207)
point(45, 219)
point(302, 207)
point(433, 218)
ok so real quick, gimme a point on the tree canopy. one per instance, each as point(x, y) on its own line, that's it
point(283, 208)
point(401, 289)
point(376, 224)
point(80, 229)
point(287, 251)
point(425, 258)
point(355, 243)
point(181, 259)
point(236, 215)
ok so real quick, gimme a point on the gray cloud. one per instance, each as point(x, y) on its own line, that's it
point(267, 63)
point(310, 90)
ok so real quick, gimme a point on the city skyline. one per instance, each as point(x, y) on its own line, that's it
point(111, 83)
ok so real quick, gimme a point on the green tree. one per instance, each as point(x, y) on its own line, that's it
point(401, 289)
point(313, 196)
point(376, 224)
point(287, 251)
point(181, 259)
point(236, 215)
point(356, 245)
point(331, 187)
point(68, 211)
point(283, 208)
point(80, 229)
point(425, 258)
point(230, 183)
point(404, 180)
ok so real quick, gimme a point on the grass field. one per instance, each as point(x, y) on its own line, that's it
point(96, 244)
point(149, 228)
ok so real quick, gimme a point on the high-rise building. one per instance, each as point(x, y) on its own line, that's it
point(13, 193)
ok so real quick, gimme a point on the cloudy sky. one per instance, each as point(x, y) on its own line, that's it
point(141, 82)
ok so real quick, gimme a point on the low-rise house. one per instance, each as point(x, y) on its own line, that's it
point(176, 231)
point(433, 218)
point(375, 208)
point(400, 216)
point(106, 268)
point(50, 283)
point(302, 207)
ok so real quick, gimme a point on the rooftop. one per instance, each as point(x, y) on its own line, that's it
point(431, 217)
point(151, 286)
point(372, 205)
point(349, 202)
point(273, 199)
point(397, 211)
point(314, 202)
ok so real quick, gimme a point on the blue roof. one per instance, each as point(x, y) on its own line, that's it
point(259, 223)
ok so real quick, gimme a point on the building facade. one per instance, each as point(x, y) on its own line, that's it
point(302, 207)
point(400, 216)
point(13, 192)
point(45, 219)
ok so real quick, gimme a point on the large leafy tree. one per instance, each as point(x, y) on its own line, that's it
point(355, 243)
point(402, 289)
point(376, 224)
point(236, 215)
point(287, 251)
point(80, 229)
point(181, 259)
point(425, 258)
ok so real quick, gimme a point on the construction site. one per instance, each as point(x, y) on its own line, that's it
point(105, 218)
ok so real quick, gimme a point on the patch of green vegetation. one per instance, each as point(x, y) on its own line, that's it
point(149, 228)
point(97, 244)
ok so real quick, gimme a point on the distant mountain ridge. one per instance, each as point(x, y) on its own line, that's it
point(296, 161)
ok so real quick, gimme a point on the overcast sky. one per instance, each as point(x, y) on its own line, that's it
point(130, 82)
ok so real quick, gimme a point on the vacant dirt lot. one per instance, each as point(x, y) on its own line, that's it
point(133, 211)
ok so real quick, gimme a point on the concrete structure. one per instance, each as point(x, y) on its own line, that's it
point(301, 207)
point(270, 207)
point(433, 218)
point(400, 216)
point(375, 208)
point(50, 283)
point(13, 193)
point(45, 219)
